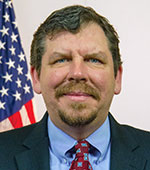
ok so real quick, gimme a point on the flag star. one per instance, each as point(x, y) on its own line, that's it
point(27, 89)
point(10, 63)
point(6, 16)
point(7, 77)
point(8, 4)
point(2, 105)
point(4, 91)
point(12, 49)
point(4, 31)
point(14, 37)
point(19, 69)
point(21, 56)
point(15, 23)
point(2, 45)
point(17, 96)
point(0, 60)
point(28, 76)
point(18, 82)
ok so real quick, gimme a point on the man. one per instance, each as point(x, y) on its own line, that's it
point(76, 66)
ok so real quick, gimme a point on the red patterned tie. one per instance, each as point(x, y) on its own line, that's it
point(81, 161)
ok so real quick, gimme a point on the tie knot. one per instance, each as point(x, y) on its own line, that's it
point(81, 161)
point(82, 148)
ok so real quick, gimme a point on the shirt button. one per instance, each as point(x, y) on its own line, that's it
point(64, 161)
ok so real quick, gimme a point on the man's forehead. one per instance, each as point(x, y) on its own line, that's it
point(89, 40)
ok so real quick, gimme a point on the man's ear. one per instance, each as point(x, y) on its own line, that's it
point(118, 81)
point(35, 80)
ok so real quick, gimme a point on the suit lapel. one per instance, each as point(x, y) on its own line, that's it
point(124, 149)
point(36, 153)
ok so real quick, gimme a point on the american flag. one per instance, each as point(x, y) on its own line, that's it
point(16, 93)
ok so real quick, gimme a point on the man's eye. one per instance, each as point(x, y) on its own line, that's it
point(61, 60)
point(94, 60)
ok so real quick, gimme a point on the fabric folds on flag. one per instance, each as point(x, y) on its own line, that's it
point(16, 93)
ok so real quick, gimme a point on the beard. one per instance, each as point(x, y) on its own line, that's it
point(78, 115)
point(78, 120)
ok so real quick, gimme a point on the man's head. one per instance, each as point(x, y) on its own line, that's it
point(72, 19)
point(75, 64)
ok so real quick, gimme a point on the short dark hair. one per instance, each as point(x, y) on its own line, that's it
point(71, 19)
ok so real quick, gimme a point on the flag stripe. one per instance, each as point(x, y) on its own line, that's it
point(24, 116)
point(5, 125)
point(30, 112)
point(16, 120)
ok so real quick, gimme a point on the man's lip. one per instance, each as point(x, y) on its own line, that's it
point(77, 94)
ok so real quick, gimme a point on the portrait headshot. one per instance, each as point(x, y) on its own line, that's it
point(80, 73)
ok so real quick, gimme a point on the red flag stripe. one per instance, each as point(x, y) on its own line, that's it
point(30, 112)
point(16, 120)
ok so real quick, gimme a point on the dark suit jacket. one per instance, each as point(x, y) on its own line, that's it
point(27, 148)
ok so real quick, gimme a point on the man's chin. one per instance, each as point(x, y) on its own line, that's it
point(76, 120)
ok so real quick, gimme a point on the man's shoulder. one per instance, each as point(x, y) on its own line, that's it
point(11, 143)
point(130, 146)
point(140, 135)
point(129, 134)
point(16, 135)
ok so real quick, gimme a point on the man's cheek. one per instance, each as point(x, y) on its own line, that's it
point(57, 78)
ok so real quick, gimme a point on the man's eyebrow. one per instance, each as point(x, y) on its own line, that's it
point(99, 54)
point(58, 54)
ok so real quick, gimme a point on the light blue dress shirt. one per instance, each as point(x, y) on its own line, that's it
point(62, 144)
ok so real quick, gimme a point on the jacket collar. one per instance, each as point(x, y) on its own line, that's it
point(36, 153)
point(124, 148)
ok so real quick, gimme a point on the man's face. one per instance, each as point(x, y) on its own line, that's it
point(77, 78)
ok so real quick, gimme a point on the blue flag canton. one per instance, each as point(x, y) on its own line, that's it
point(15, 83)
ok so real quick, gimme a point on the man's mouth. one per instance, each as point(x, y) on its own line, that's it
point(77, 96)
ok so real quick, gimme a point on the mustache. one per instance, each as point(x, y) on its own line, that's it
point(76, 87)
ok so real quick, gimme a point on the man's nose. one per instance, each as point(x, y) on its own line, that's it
point(78, 71)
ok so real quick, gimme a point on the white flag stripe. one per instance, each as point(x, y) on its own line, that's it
point(24, 116)
point(5, 125)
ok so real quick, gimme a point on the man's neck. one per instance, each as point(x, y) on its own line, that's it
point(79, 132)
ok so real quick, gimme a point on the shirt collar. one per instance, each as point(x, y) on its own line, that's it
point(60, 142)
point(100, 139)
